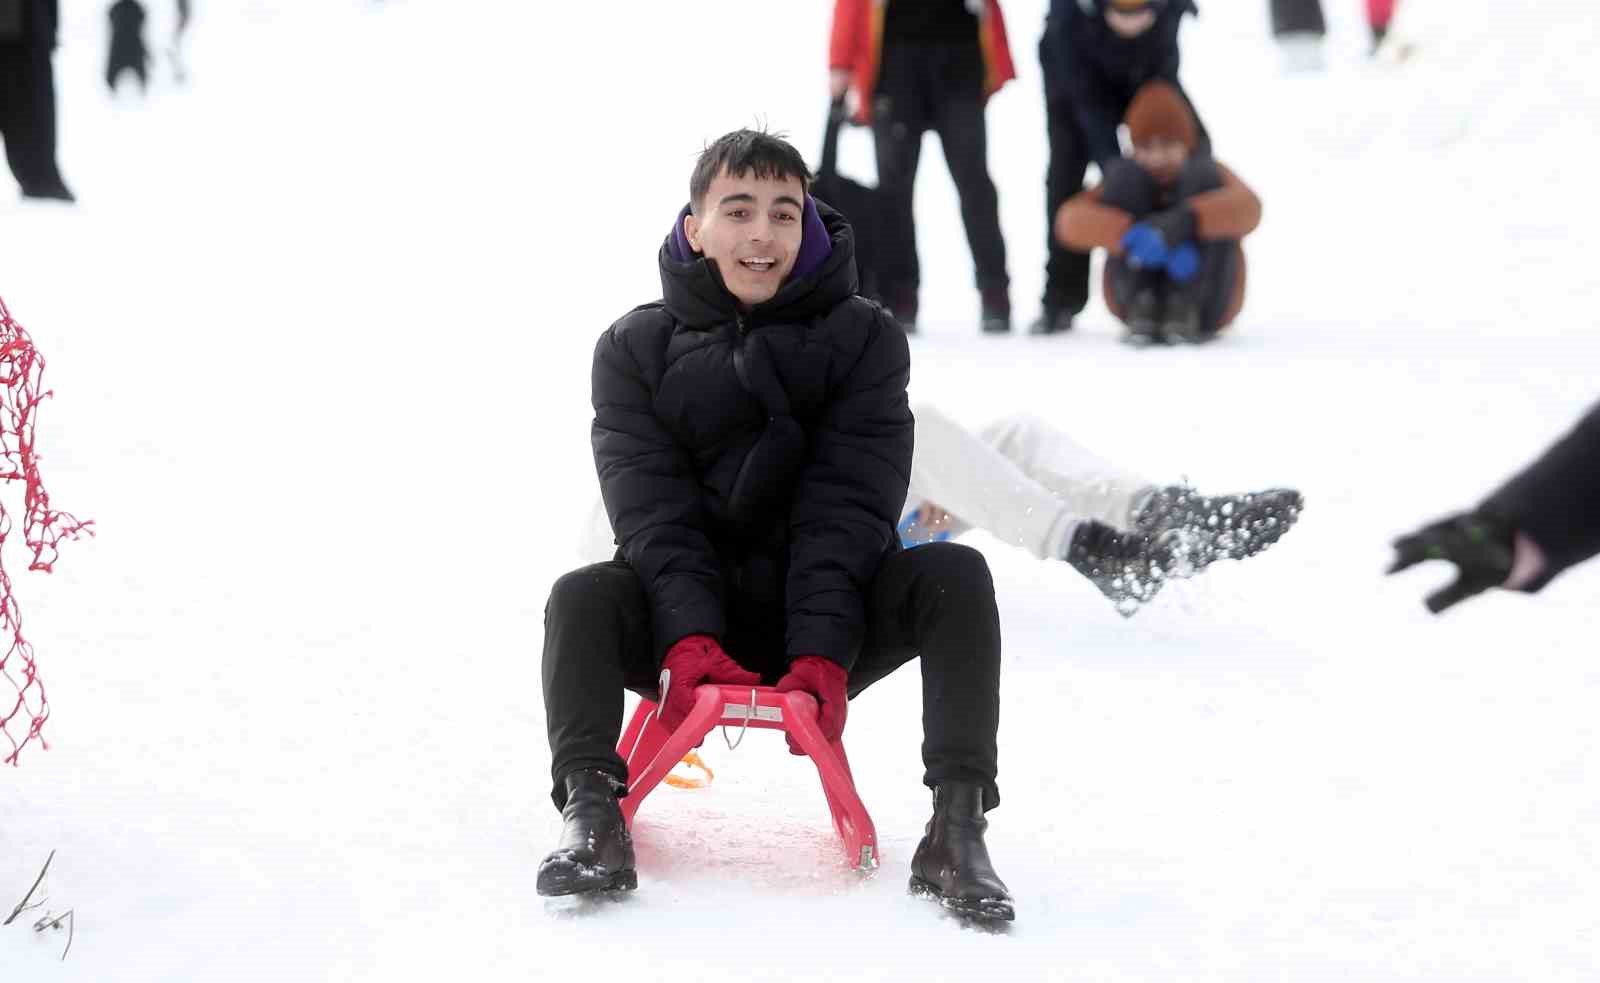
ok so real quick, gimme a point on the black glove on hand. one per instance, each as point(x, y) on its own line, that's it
point(1481, 546)
point(1177, 225)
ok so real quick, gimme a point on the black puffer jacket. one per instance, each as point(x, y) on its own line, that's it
point(1556, 500)
point(778, 493)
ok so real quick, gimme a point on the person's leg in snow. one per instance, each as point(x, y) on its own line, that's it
point(1066, 290)
point(1138, 295)
point(1197, 303)
point(958, 119)
point(900, 116)
point(935, 603)
point(597, 643)
point(938, 603)
point(1031, 485)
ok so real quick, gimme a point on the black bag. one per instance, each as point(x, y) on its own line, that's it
point(11, 15)
point(859, 204)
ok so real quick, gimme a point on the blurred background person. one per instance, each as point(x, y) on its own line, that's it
point(1095, 55)
point(1171, 218)
point(28, 96)
point(919, 65)
point(179, 73)
point(1540, 523)
point(128, 51)
point(1300, 26)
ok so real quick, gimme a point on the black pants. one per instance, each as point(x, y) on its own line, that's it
point(1298, 17)
point(937, 87)
point(128, 58)
point(28, 119)
point(1066, 272)
point(1131, 188)
point(934, 601)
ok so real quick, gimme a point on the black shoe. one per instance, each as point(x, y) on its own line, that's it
point(596, 850)
point(1228, 527)
point(1143, 320)
point(996, 312)
point(54, 192)
point(1127, 567)
point(1052, 320)
point(1180, 322)
point(952, 863)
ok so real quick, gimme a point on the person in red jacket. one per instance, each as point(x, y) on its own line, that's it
point(919, 65)
point(1171, 219)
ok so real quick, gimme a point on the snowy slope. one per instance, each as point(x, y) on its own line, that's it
point(319, 334)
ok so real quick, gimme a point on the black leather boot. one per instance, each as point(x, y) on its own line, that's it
point(596, 850)
point(952, 863)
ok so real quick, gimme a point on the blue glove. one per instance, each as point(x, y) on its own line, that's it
point(1144, 247)
point(1183, 262)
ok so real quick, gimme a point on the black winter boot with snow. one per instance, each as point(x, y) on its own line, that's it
point(596, 851)
point(1143, 320)
point(1219, 527)
point(1127, 567)
point(952, 863)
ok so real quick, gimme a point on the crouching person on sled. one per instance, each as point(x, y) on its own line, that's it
point(1171, 219)
point(753, 440)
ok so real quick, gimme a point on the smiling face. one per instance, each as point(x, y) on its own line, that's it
point(1132, 25)
point(750, 228)
point(1163, 157)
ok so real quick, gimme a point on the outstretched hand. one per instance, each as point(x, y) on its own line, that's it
point(1481, 546)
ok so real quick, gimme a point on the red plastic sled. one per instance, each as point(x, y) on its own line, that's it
point(651, 751)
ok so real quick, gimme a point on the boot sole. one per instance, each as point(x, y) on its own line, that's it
point(567, 877)
point(981, 909)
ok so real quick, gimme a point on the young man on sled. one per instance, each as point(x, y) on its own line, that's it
point(753, 441)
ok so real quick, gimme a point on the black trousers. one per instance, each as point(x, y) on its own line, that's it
point(1297, 17)
point(935, 87)
point(1066, 272)
point(935, 601)
point(28, 118)
point(1131, 188)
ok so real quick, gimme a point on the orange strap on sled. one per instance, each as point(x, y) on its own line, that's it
point(693, 760)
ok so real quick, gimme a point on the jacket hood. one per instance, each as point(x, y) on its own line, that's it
point(824, 274)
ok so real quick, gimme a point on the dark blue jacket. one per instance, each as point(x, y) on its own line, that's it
point(1090, 67)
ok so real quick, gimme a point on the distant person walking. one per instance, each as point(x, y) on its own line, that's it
point(128, 50)
point(919, 65)
point(28, 96)
point(1095, 54)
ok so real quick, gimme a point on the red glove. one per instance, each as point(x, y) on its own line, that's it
point(692, 660)
point(824, 679)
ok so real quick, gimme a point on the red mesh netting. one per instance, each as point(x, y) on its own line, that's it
point(21, 368)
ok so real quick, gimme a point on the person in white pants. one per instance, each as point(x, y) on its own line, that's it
point(1030, 485)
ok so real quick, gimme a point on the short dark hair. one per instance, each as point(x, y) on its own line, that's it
point(741, 152)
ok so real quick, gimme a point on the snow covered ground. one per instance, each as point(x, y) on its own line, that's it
point(319, 333)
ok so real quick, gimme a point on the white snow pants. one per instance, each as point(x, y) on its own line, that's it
point(1020, 479)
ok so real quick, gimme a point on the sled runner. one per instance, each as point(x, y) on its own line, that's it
point(651, 751)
